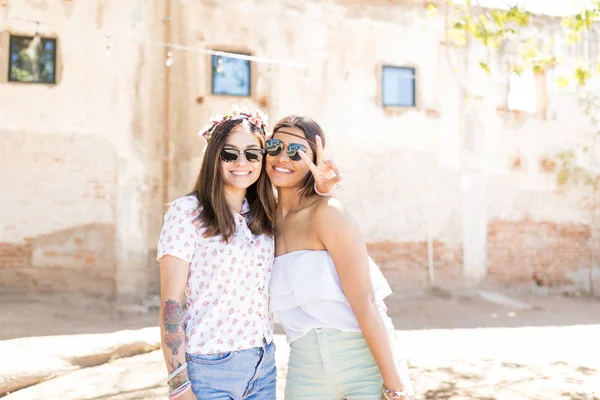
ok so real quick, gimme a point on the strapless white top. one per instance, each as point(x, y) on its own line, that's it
point(305, 293)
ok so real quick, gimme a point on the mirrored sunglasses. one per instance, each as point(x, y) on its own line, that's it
point(231, 155)
point(275, 146)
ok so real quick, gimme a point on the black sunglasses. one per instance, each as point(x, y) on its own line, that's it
point(231, 155)
point(274, 146)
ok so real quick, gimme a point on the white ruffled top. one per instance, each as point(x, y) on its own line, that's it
point(305, 293)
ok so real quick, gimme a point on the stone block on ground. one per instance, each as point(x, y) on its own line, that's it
point(36, 359)
point(138, 377)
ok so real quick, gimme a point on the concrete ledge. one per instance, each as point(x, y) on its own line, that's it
point(29, 361)
point(141, 376)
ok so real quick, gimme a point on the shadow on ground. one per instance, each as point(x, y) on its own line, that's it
point(494, 380)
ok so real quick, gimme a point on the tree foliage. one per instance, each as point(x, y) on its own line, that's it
point(498, 27)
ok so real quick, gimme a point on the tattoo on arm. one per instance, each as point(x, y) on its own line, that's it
point(173, 323)
point(178, 379)
point(174, 339)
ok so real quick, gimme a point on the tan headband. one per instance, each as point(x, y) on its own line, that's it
point(296, 135)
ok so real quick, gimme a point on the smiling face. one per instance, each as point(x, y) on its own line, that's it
point(283, 171)
point(241, 173)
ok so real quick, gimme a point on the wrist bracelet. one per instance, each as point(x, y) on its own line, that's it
point(332, 191)
point(178, 370)
point(180, 390)
point(389, 395)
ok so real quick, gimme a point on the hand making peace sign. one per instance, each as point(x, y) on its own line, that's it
point(325, 172)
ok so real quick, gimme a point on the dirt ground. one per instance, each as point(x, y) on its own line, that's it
point(411, 308)
point(460, 346)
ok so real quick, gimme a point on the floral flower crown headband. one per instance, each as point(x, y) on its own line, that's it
point(257, 118)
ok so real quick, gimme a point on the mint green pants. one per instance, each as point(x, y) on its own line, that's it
point(327, 364)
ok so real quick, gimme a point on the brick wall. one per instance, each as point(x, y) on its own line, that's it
point(519, 252)
point(15, 258)
point(15, 255)
point(537, 251)
point(57, 220)
point(78, 259)
point(406, 263)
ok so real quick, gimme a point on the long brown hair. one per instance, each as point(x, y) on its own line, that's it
point(216, 215)
point(311, 130)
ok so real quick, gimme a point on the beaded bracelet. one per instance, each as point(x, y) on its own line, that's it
point(389, 395)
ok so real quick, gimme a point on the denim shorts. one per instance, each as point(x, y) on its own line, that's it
point(327, 364)
point(244, 374)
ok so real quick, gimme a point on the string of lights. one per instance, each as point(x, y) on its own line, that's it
point(174, 46)
point(308, 68)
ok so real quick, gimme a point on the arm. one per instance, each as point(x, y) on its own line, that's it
point(176, 246)
point(173, 279)
point(340, 235)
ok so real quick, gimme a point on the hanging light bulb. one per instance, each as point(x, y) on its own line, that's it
point(108, 46)
point(307, 75)
point(219, 65)
point(169, 60)
point(138, 14)
point(138, 18)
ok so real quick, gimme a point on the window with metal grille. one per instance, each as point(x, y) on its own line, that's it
point(32, 59)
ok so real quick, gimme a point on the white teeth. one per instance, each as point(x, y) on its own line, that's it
point(240, 173)
point(279, 169)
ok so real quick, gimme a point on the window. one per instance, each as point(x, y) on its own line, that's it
point(522, 92)
point(230, 76)
point(398, 87)
point(32, 59)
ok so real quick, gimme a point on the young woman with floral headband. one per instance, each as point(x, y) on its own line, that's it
point(325, 290)
point(216, 250)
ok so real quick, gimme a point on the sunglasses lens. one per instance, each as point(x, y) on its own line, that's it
point(254, 155)
point(293, 149)
point(273, 147)
point(229, 155)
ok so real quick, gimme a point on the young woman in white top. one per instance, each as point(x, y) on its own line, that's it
point(216, 253)
point(325, 290)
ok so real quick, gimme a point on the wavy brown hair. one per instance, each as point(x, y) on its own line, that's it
point(311, 130)
point(216, 215)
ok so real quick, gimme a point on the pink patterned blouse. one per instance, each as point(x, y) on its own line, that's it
point(227, 305)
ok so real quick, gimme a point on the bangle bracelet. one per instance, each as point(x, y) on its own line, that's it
point(332, 191)
point(178, 370)
point(180, 390)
